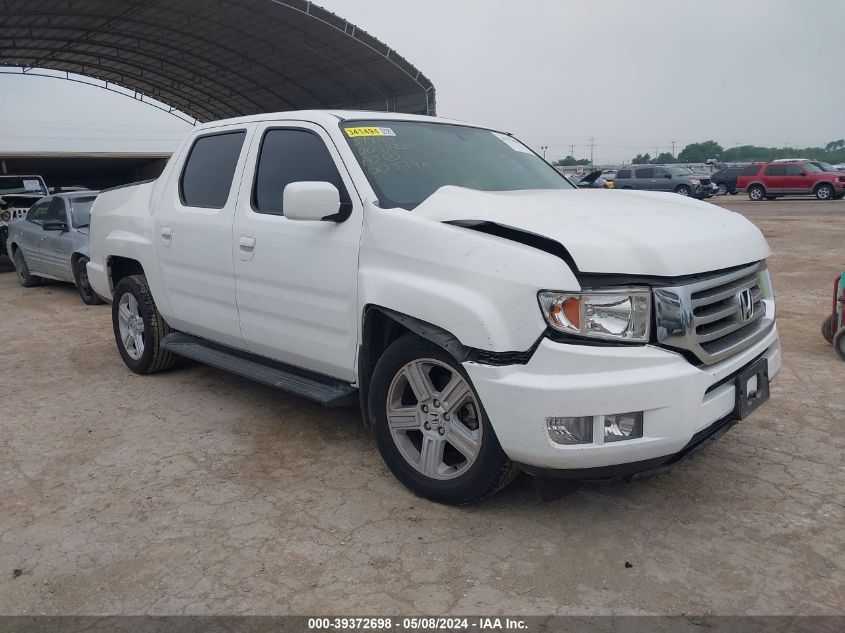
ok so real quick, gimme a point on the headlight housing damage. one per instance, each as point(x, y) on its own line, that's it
point(618, 314)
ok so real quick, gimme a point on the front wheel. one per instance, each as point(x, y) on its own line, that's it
point(824, 192)
point(26, 279)
point(756, 193)
point(139, 328)
point(431, 428)
point(839, 343)
point(683, 190)
point(86, 293)
point(723, 189)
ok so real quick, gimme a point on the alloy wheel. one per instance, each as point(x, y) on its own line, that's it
point(131, 325)
point(434, 419)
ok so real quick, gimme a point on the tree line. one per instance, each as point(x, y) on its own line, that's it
point(832, 152)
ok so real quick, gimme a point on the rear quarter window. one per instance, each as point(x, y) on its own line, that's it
point(623, 173)
point(751, 170)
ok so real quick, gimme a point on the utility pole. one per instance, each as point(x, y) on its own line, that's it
point(592, 146)
point(544, 148)
point(673, 148)
point(572, 150)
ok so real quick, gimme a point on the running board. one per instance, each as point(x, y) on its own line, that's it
point(323, 389)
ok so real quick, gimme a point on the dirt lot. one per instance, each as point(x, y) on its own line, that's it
point(197, 492)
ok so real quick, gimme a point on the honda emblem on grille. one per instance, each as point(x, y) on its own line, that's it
point(746, 304)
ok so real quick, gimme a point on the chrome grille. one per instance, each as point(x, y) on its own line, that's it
point(714, 318)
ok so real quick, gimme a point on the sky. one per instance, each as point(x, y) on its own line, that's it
point(634, 74)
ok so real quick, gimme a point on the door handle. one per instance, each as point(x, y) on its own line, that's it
point(166, 235)
point(246, 246)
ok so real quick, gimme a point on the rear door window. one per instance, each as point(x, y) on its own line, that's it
point(208, 173)
point(646, 172)
point(776, 170)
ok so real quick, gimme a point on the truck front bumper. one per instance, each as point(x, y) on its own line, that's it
point(682, 404)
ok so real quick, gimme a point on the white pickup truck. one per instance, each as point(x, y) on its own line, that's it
point(487, 316)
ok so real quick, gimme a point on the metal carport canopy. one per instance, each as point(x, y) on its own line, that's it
point(213, 59)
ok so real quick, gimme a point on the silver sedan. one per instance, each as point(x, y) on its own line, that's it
point(51, 242)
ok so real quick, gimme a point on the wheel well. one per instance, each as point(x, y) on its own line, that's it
point(381, 327)
point(120, 267)
point(756, 184)
point(683, 185)
point(819, 184)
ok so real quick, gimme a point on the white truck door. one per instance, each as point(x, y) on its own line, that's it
point(296, 281)
point(193, 234)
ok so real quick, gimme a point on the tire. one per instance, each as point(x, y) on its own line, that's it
point(86, 293)
point(771, 197)
point(628, 187)
point(723, 189)
point(26, 279)
point(826, 329)
point(839, 343)
point(824, 192)
point(133, 306)
point(683, 190)
point(756, 193)
point(421, 422)
point(733, 192)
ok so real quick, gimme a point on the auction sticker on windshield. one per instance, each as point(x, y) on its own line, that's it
point(354, 132)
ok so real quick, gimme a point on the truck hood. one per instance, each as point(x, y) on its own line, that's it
point(613, 231)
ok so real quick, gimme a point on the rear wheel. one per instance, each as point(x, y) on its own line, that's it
point(89, 297)
point(26, 279)
point(139, 328)
point(683, 190)
point(723, 189)
point(824, 192)
point(827, 329)
point(756, 193)
point(431, 428)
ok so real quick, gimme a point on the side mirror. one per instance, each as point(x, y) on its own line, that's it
point(310, 200)
point(55, 225)
point(669, 176)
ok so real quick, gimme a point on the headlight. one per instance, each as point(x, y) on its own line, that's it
point(622, 314)
point(764, 281)
point(5, 216)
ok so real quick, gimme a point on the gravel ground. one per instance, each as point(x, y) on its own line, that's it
point(196, 492)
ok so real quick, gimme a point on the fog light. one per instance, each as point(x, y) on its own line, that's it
point(570, 430)
point(623, 426)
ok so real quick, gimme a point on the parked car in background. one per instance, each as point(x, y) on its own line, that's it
point(681, 180)
point(767, 181)
point(725, 179)
point(51, 242)
point(486, 315)
point(17, 195)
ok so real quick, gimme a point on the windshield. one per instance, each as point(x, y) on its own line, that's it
point(407, 161)
point(80, 210)
point(825, 166)
point(22, 184)
point(811, 168)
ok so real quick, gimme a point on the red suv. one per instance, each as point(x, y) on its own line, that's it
point(770, 180)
